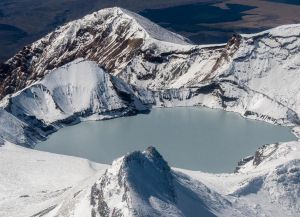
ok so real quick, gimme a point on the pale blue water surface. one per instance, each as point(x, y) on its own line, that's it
point(193, 138)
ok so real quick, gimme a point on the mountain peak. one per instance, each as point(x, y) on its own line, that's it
point(153, 153)
point(135, 180)
point(111, 37)
point(154, 30)
point(142, 184)
point(137, 25)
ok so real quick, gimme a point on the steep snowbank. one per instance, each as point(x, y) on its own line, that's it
point(142, 184)
point(77, 87)
point(67, 95)
point(154, 30)
point(32, 181)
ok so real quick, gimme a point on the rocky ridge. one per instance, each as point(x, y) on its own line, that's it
point(159, 68)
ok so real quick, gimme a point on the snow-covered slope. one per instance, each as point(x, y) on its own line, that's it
point(32, 181)
point(114, 63)
point(77, 87)
point(267, 64)
point(74, 92)
point(142, 184)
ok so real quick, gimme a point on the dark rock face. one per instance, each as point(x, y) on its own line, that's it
point(260, 154)
point(231, 47)
point(94, 41)
point(31, 63)
point(243, 162)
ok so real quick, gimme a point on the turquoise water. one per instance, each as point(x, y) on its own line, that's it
point(192, 138)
